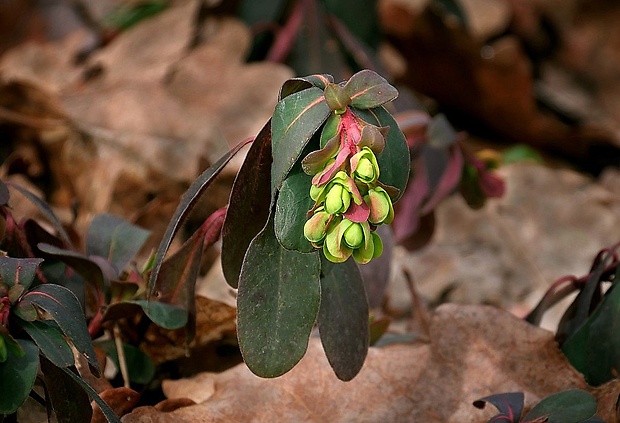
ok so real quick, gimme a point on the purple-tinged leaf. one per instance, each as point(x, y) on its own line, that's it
point(105, 408)
point(295, 120)
point(510, 406)
point(294, 85)
point(67, 397)
point(368, 90)
point(249, 205)
point(343, 319)
point(357, 212)
point(18, 271)
point(448, 182)
point(45, 209)
point(114, 239)
point(64, 308)
point(188, 201)
point(407, 211)
point(98, 273)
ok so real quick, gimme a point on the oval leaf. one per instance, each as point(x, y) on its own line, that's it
point(167, 316)
point(295, 119)
point(572, 406)
point(17, 375)
point(139, 365)
point(64, 308)
point(277, 304)
point(67, 397)
point(368, 89)
point(343, 319)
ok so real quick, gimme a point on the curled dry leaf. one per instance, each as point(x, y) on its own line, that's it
point(121, 400)
point(474, 351)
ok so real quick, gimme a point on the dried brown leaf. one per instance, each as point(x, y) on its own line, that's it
point(474, 351)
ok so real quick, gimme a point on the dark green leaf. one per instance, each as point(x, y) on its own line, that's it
point(67, 397)
point(50, 340)
point(105, 408)
point(116, 240)
point(441, 134)
point(394, 160)
point(343, 319)
point(46, 210)
point(188, 201)
point(594, 348)
point(64, 308)
point(139, 365)
point(249, 204)
point(360, 17)
point(18, 270)
point(17, 375)
point(294, 85)
point(277, 304)
point(91, 271)
point(572, 406)
point(167, 316)
point(368, 90)
point(295, 119)
point(291, 207)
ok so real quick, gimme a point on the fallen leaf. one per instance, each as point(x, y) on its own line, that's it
point(474, 351)
point(121, 400)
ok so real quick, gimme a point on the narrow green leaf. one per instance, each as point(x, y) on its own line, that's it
point(368, 90)
point(17, 375)
point(167, 316)
point(572, 406)
point(295, 119)
point(18, 270)
point(140, 366)
point(50, 340)
point(188, 201)
point(248, 207)
point(64, 308)
point(116, 240)
point(105, 408)
point(67, 397)
point(277, 304)
point(343, 319)
point(394, 160)
point(294, 85)
point(292, 206)
point(594, 348)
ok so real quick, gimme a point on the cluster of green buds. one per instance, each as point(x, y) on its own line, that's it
point(350, 201)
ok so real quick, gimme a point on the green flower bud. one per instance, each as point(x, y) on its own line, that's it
point(333, 248)
point(354, 236)
point(337, 200)
point(315, 228)
point(364, 166)
point(381, 207)
point(378, 245)
point(336, 97)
